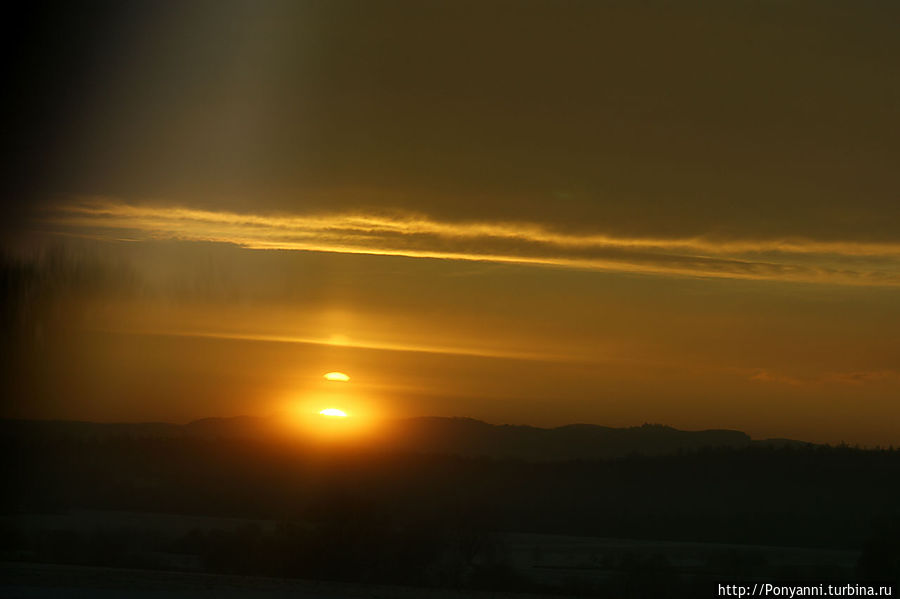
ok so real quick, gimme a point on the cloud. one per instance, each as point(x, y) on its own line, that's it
point(862, 377)
point(419, 236)
point(859, 377)
point(767, 376)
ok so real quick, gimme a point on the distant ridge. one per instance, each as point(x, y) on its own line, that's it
point(575, 441)
point(86, 430)
point(452, 436)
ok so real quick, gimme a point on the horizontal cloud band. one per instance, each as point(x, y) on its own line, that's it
point(521, 243)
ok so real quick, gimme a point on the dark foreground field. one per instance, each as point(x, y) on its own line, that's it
point(49, 581)
point(171, 513)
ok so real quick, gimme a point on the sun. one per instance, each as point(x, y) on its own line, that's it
point(336, 376)
point(333, 413)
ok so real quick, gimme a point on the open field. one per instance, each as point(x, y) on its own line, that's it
point(550, 561)
point(46, 581)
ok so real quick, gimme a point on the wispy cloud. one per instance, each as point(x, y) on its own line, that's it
point(802, 260)
point(352, 344)
point(767, 376)
point(862, 377)
point(858, 377)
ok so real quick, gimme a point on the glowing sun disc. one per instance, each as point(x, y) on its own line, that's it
point(337, 376)
point(333, 412)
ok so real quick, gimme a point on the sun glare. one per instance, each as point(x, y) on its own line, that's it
point(333, 412)
point(337, 376)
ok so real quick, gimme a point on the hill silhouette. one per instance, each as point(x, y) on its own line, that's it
point(456, 436)
point(466, 436)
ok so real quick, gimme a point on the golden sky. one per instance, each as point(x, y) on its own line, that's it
point(525, 212)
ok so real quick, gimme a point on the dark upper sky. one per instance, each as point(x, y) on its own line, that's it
point(747, 119)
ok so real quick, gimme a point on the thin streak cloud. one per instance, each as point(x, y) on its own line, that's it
point(416, 236)
point(360, 344)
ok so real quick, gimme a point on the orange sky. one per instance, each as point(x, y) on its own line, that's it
point(522, 212)
point(182, 330)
